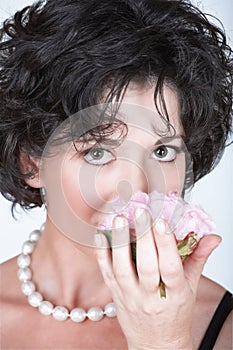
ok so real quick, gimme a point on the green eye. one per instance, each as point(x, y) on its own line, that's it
point(98, 156)
point(161, 152)
point(165, 153)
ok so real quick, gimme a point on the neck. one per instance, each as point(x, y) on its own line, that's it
point(67, 273)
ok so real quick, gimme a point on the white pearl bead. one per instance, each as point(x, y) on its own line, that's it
point(35, 299)
point(24, 274)
point(95, 314)
point(42, 227)
point(110, 310)
point(78, 315)
point(23, 260)
point(46, 308)
point(27, 287)
point(60, 313)
point(27, 247)
point(35, 236)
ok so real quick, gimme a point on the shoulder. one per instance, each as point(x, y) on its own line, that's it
point(11, 297)
point(10, 289)
point(15, 314)
point(12, 301)
point(225, 338)
point(210, 295)
point(9, 279)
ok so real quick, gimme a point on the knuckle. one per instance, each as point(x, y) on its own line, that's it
point(148, 309)
point(147, 270)
point(151, 308)
point(171, 271)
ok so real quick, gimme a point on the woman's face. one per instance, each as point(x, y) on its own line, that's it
point(80, 186)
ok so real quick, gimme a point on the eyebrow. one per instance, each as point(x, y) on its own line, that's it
point(169, 139)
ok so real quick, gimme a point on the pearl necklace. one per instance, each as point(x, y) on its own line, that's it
point(35, 299)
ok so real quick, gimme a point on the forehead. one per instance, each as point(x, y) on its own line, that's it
point(138, 108)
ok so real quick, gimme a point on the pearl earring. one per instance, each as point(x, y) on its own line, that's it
point(43, 196)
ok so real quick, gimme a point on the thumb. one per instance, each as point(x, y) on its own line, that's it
point(194, 264)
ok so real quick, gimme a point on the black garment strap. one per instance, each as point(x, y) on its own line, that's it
point(224, 308)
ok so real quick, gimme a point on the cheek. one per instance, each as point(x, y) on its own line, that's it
point(71, 204)
point(174, 174)
point(86, 190)
point(76, 193)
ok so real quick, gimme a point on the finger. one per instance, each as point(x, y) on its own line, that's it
point(170, 264)
point(122, 261)
point(147, 260)
point(194, 264)
point(103, 255)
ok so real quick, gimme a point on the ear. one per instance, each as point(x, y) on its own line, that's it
point(29, 164)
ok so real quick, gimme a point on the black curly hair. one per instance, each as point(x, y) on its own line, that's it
point(57, 57)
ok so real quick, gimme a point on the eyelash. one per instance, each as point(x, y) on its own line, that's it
point(85, 153)
point(169, 149)
point(176, 149)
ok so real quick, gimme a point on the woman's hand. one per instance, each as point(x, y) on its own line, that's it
point(147, 320)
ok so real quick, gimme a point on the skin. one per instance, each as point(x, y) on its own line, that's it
point(71, 272)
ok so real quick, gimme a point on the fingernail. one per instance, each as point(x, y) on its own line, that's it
point(98, 240)
point(119, 222)
point(160, 226)
point(141, 216)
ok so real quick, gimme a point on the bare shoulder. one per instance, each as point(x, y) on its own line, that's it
point(10, 293)
point(12, 301)
point(225, 339)
point(209, 297)
point(9, 281)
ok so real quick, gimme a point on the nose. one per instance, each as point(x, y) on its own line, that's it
point(140, 173)
point(133, 178)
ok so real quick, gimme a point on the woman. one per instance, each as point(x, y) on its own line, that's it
point(98, 101)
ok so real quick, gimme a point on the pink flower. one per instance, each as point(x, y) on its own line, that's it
point(188, 222)
point(182, 217)
point(121, 207)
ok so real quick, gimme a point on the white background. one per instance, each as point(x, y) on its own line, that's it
point(214, 193)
